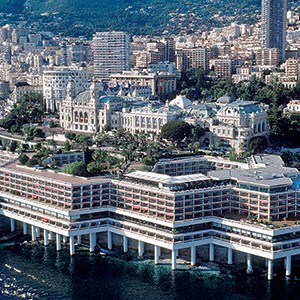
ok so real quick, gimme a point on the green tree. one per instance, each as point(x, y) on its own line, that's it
point(100, 155)
point(33, 161)
point(15, 129)
point(196, 147)
point(176, 131)
point(70, 136)
point(24, 146)
point(197, 132)
point(28, 109)
point(23, 159)
point(33, 132)
point(67, 146)
point(52, 143)
point(95, 168)
point(12, 146)
point(38, 146)
point(287, 157)
point(52, 124)
point(102, 139)
point(75, 168)
point(258, 144)
point(83, 141)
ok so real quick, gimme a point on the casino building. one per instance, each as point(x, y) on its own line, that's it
point(229, 122)
point(250, 208)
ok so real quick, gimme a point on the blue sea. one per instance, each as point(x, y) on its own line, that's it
point(38, 272)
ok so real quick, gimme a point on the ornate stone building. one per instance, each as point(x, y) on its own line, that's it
point(90, 110)
point(293, 107)
point(237, 122)
point(93, 110)
point(148, 119)
point(229, 122)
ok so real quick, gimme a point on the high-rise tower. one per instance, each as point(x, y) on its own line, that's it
point(110, 53)
point(273, 27)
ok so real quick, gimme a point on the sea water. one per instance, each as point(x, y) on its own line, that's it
point(38, 272)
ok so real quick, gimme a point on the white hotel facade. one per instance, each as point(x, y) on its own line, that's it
point(55, 81)
point(171, 212)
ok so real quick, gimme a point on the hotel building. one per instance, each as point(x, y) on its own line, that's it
point(55, 81)
point(170, 212)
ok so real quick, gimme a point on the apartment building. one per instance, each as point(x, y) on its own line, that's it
point(292, 68)
point(273, 25)
point(268, 57)
point(223, 67)
point(110, 53)
point(194, 58)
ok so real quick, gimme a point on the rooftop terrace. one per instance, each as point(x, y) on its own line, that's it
point(52, 175)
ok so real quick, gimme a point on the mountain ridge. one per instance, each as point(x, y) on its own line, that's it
point(77, 17)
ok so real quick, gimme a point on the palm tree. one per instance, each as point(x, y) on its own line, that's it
point(191, 147)
point(196, 147)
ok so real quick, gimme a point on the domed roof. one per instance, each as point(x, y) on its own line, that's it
point(107, 99)
point(83, 96)
point(241, 107)
point(226, 99)
point(181, 102)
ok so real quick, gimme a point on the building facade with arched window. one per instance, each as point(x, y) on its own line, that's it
point(92, 111)
point(237, 122)
point(228, 123)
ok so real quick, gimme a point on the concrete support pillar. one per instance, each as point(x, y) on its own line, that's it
point(25, 228)
point(156, 254)
point(65, 239)
point(33, 233)
point(288, 265)
point(230, 256)
point(211, 252)
point(58, 242)
point(72, 245)
point(249, 264)
point(46, 242)
point(51, 236)
point(173, 259)
point(270, 269)
point(109, 240)
point(12, 225)
point(78, 239)
point(193, 255)
point(38, 232)
point(125, 243)
point(92, 241)
point(140, 248)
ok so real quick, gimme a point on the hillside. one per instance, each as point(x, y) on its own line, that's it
point(75, 17)
point(83, 17)
point(12, 6)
